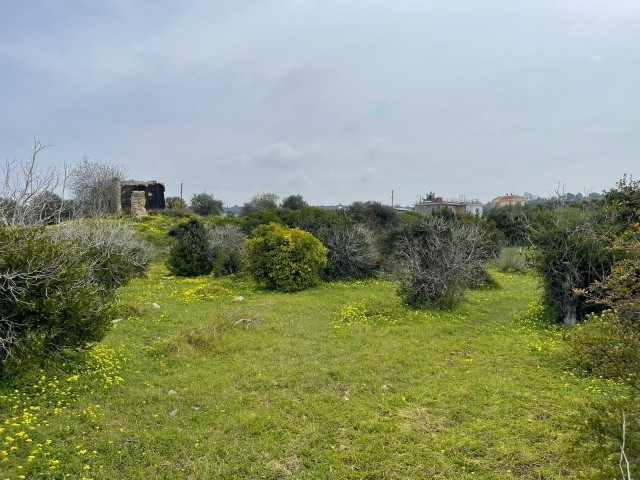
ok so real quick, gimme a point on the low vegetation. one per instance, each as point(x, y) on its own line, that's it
point(208, 374)
point(285, 259)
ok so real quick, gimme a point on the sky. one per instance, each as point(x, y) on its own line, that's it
point(337, 101)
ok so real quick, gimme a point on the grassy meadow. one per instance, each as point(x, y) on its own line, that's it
point(339, 381)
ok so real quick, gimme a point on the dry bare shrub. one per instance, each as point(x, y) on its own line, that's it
point(439, 259)
point(227, 244)
point(27, 192)
point(95, 187)
point(351, 252)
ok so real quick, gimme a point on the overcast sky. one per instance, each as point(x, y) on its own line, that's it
point(338, 101)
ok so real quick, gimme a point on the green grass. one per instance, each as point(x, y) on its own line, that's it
point(279, 386)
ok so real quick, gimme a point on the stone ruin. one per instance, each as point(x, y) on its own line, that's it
point(140, 197)
point(138, 202)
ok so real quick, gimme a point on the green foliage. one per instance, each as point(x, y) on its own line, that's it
point(373, 214)
point(607, 346)
point(49, 299)
point(570, 254)
point(51, 209)
point(511, 221)
point(174, 203)
point(190, 254)
point(622, 203)
point(257, 218)
point(511, 259)
point(313, 220)
point(285, 259)
point(206, 204)
point(264, 201)
point(294, 202)
point(417, 382)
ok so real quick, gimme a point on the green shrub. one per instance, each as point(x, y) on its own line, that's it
point(571, 253)
point(254, 219)
point(285, 259)
point(511, 260)
point(605, 345)
point(49, 299)
point(608, 346)
point(373, 214)
point(311, 219)
point(190, 255)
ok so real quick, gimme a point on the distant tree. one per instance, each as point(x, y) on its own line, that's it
point(175, 203)
point(95, 187)
point(311, 219)
point(622, 203)
point(294, 202)
point(511, 221)
point(373, 214)
point(206, 204)
point(264, 201)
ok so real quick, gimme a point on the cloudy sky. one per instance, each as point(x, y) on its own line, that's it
point(338, 101)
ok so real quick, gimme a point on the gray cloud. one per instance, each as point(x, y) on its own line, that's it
point(335, 101)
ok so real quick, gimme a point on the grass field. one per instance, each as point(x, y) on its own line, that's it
point(340, 381)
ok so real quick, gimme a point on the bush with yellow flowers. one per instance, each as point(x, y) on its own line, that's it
point(284, 259)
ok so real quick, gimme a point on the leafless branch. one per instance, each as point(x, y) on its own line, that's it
point(28, 193)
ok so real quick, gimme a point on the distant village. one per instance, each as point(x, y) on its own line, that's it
point(138, 197)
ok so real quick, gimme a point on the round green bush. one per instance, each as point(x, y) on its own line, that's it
point(285, 259)
point(49, 299)
point(190, 255)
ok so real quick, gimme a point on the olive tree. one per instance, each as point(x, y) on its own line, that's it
point(570, 253)
point(294, 202)
point(206, 204)
point(264, 201)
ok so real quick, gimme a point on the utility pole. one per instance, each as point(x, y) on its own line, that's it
point(181, 199)
point(392, 198)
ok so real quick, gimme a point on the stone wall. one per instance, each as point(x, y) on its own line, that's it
point(138, 202)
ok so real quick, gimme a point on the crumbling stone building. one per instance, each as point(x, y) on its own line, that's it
point(140, 197)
